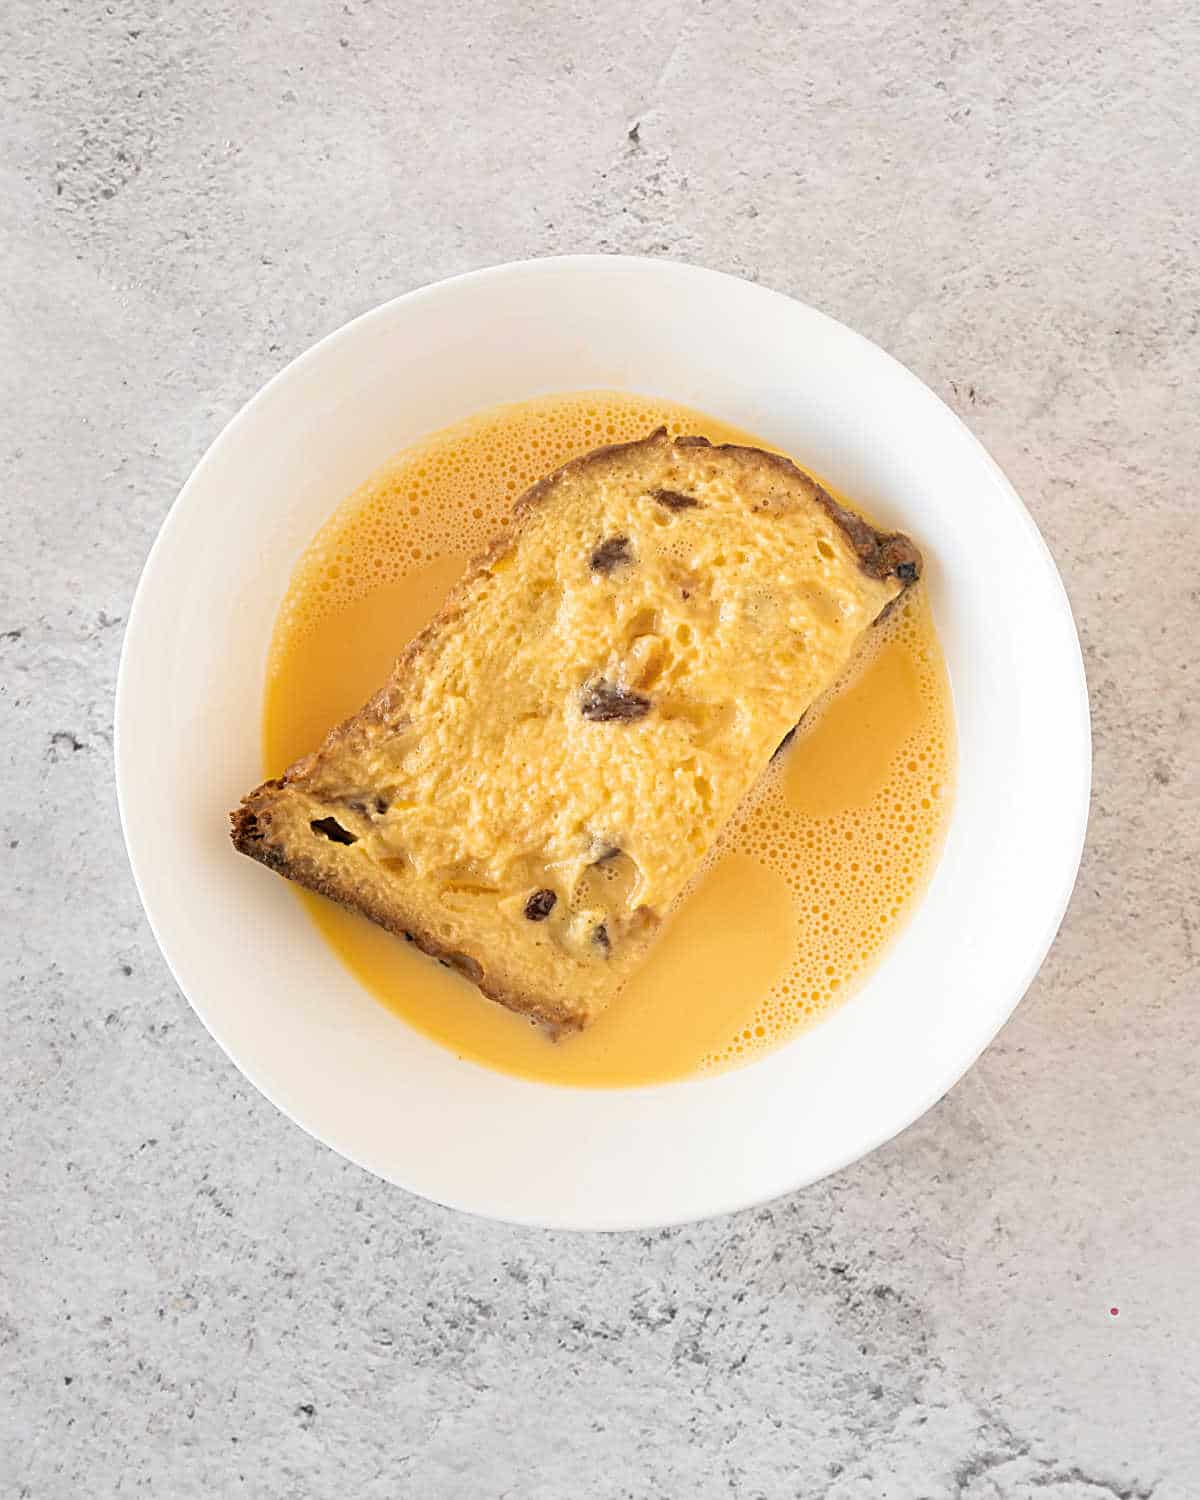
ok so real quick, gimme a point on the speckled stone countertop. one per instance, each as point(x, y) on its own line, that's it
point(198, 1300)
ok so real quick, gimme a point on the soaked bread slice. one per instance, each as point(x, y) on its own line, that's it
point(552, 758)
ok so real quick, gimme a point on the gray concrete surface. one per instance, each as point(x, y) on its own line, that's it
point(200, 1301)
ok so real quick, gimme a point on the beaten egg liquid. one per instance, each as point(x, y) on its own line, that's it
point(804, 889)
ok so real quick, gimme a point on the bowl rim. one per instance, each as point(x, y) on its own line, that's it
point(1071, 847)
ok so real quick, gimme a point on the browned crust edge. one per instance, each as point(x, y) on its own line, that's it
point(249, 839)
point(880, 555)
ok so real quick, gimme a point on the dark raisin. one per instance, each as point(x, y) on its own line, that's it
point(332, 829)
point(612, 553)
point(408, 938)
point(603, 701)
point(381, 805)
point(540, 905)
point(675, 499)
point(906, 572)
point(601, 938)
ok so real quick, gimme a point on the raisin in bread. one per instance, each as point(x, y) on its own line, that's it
point(552, 758)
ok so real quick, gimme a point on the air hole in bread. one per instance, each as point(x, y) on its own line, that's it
point(610, 884)
point(645, 622)
point(705, 720)
point(647, 659)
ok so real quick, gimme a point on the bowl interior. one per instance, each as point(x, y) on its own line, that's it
point(297, 1024)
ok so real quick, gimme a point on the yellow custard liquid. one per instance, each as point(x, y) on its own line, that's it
point(804, 890)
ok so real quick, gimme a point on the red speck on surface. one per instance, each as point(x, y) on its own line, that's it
point(1113, 1311)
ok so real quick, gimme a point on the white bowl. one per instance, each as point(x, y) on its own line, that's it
point(189, 706)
